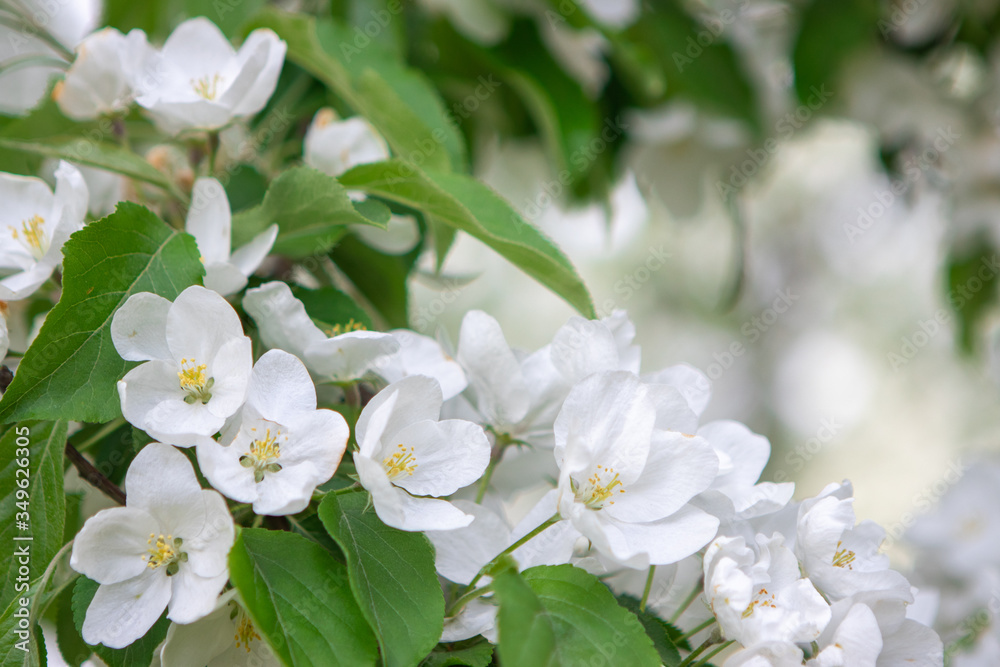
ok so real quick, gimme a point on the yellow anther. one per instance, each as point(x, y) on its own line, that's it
point(165, 551)
point(206, 86)
point(400, 464)
point(596, 492)
point(193, 381)
point(263, 455)
point(245, 631)
point(32, 235)
point(351, 325)
point(844, 558)
point(762, 599)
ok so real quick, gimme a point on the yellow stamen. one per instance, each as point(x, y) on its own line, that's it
point(400, 464)
point(844, 558)
point(193, 381)
point(245, 631)
point(351, 325)
point(762, 599)
point(595, 492)
point(32, 235)
point(263, 455)
point(206, 86)
point(164, 551)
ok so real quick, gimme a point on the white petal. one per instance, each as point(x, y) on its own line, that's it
point(249, 257)
point(221, 467)
point(72, 196)
point(459, 554)
point(422, 355)
point(224, 278)
point(199, 323)
point(351, 355)
point(280, 387)
point(123, 612)
point(334, 146)
point(22, 285)
point(159, 473)
point(209, 220)
point(660, 542)
point(492, 369)
point(450, 454)
point(693, 385)
point(396, 508)
point(281, 319)
point(400, 235)
point(197, 46)
point(416, 398)
point(678, 468)
point(231, 370)
point(112, 544)
point(267, 52)
point(199, 642)
point(153, 400)
point(194, 597)
point(582, 347)
point(139, 328)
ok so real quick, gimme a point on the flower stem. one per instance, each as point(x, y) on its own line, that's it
point(468, 597)
point(93, 476)
point(708, 656)
point(695, 630)
point(555, 518)
point(484, 483)
point(687, 603)
point(689, 660)
point(649, 585)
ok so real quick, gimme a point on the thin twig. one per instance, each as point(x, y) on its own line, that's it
point(93, 476)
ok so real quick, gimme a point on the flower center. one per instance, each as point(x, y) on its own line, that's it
point(165, 551)
point(400, 464)
point(762, 599)
point(193, 381)
point(597, 489)
point(844, 558)
point(32, 235)
point(207, 86)
point(245, 631)
point(263, 455)
point(351, 325)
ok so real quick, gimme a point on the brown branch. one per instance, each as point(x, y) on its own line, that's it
point(93, 476)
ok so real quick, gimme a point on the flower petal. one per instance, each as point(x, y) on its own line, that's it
point(449, 455)
point(351, 355)
point(209, 220)
point(493, 370)
point(199, 323)
point(281, 319)
point(249, 257)
point(112, 545)
point(413, 399)
point(139, 328)
point(280, 387)
point(123, 612)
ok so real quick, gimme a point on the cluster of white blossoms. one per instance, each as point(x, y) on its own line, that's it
point(196, 81)
point(563, 455)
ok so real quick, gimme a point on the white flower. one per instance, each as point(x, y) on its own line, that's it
point(333, 146)
point(405, 454)
point(209, 221)
point(201, 82)
point(840, 558)
point(168, 546)
point(757, 594)
point(624, 484)
point(34, 224)
point(284, 324)
point(197, 368)
point(225, 638)
point(101, 79)
point(278, 448)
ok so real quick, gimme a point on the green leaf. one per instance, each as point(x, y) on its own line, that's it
point(26, 649)
point(478, 654)
point(831, 31)
point(972, 290)
point(299, 599)
point(139, 652)
point(330, 308)
point(70, 371)
point(311, 209)
point(379, 277)
point(562, 615)
point(71, 645)
point(368, 94)
point(470, 206)
point(43, 505)
point(104, 155)
point(392, 575)
point(662, 633)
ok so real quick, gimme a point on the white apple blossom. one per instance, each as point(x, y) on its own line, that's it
point(168, 546)
point(284, 324)
point(101, 80)
point(201, 82)
point(34, 225)
point(209, 221)
point(624, 484)
point(197, 369)
point(408, 460)
point(842, 558)
point(225, 638)
point(757, 594)
point(278, 448)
